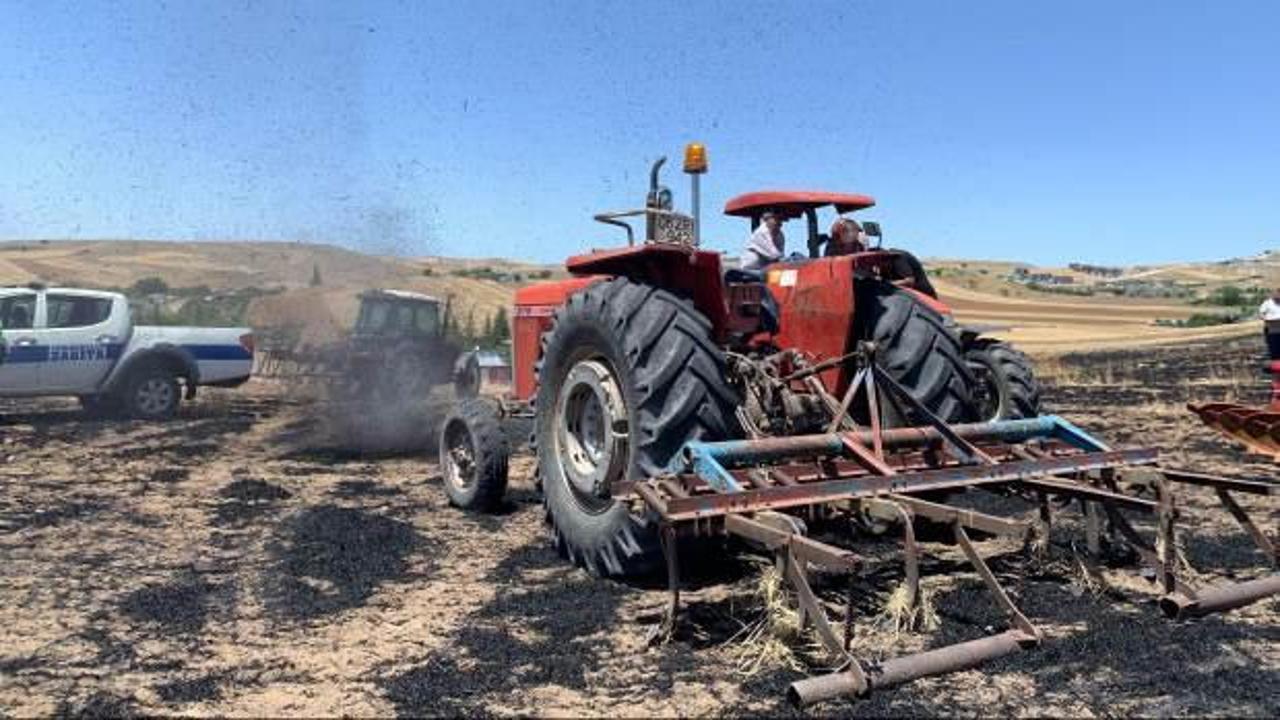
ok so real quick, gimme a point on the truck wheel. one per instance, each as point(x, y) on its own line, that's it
point(1005, 386)
point(629, 374)
point(914, 346)
point(473, 456)
point(152, 393)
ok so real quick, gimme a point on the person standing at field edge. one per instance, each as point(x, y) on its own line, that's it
point(1270, 314)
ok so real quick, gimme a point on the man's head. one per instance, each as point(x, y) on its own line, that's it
point(847, 237)
point(1275, 294)
point(771, 220)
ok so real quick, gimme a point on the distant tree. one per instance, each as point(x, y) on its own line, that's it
point(150, 286)
point(468, 331)
point(315, 275)
point(451, 327)
point(501, 328)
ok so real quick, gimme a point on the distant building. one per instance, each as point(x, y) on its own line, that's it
point(1097, 270)
point(1024, 275)
point(494, 368)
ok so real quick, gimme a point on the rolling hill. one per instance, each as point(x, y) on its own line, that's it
point(981, 292)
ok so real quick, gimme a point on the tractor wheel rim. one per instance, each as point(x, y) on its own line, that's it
point(459, 457)
point(155, 395)
point(986, 394)
point(591, 437)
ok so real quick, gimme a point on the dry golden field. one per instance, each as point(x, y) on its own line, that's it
point(1041, 323)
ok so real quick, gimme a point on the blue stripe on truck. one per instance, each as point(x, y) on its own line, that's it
point(61, 353)
point(218, 352)
point(82, 353)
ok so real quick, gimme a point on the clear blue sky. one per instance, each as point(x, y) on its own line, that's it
point(1098, 131)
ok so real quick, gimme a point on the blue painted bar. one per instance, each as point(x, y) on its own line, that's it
point(737, 453)
point(710, 460)
point(1073, 435)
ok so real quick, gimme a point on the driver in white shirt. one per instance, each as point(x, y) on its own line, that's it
point(1270, 314)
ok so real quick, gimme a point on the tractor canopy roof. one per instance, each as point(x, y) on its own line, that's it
point(793, 203)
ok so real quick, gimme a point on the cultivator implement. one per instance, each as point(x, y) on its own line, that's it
point(764, 489)
point(1258, 429)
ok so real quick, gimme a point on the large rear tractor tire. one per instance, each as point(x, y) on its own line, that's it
point(629, 373)
point(474, 456)
point(1005, 385)
point(915, 347)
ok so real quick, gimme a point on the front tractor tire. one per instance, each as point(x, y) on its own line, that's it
point(916, 348)
point(1005, 385)
point(474, 456)
point(629, 373)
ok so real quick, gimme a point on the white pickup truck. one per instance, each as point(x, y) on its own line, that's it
point(64, 341)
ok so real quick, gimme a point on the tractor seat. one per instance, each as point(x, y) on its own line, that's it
point(738, 275)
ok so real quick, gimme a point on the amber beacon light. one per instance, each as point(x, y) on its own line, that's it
point(695, 158)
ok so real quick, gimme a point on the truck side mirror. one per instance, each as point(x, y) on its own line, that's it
point(871, 228)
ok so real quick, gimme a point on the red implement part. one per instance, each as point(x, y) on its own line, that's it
point(1255, 428)
point(1258, 429)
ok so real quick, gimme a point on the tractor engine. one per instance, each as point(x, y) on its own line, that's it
point(771, 405)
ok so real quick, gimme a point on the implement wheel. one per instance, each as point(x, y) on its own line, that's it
point(474, 456)
point(1005, 386)
point(629, 373)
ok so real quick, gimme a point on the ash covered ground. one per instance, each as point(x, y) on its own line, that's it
point(227, 563)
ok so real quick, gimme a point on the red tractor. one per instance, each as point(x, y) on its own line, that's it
point(659, 343)
point(674, 399)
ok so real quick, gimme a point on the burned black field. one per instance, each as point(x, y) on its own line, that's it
point(223, 563)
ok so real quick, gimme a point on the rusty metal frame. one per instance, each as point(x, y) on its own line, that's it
point(737, 488)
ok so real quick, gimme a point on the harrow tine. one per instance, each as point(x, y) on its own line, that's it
point(1260, 538)
point(952, 658)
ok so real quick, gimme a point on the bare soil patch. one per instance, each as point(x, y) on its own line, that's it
point(218, 564)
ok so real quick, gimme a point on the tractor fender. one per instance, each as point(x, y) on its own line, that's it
point(687, 272)
point(175, 357)
point(973, 336)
